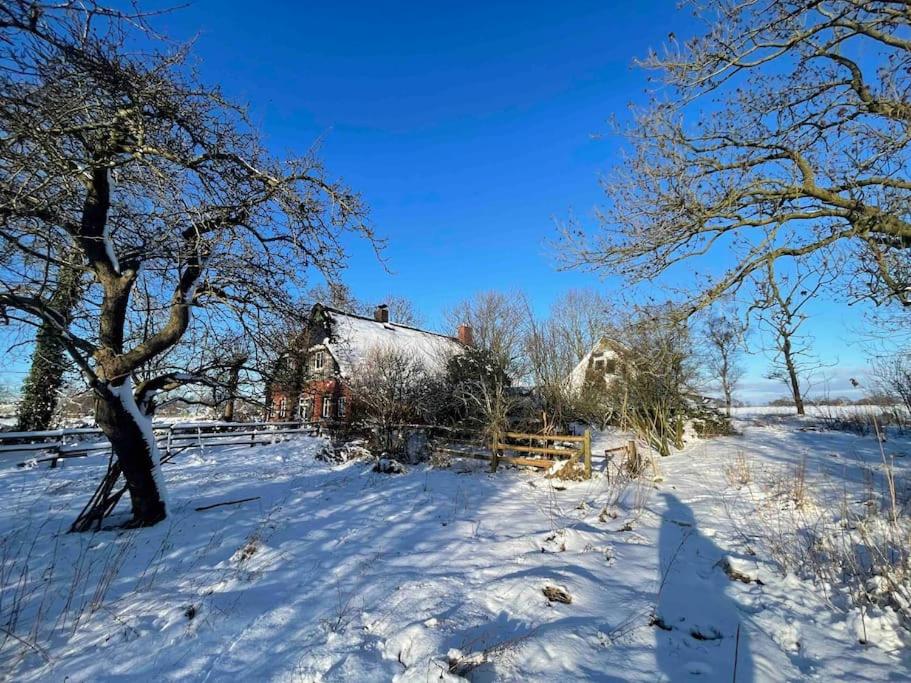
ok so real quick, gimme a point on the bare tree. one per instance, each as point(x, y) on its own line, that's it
point(723, 341)
point(338, 295)
point(893, 375)
point(551, 358)
point(581, 317)
point(402, 310)
point(498, 323)
point(158, 191)
point(781, 310)
point(234, 356)
point(391, 388)
point(804, 151)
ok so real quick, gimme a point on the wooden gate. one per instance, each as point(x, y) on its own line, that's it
point(547, 450)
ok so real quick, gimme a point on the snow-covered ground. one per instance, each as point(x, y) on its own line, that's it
point(339, 573)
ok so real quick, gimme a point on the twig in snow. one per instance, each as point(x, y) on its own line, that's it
point(227, 502)
point(736, 652)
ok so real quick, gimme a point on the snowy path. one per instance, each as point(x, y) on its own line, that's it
point(337, 573)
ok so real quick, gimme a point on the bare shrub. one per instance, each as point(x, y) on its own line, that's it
point(392, 388)
point(739, 471)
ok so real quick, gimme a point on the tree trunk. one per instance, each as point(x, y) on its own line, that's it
point(41, 389)
point(792, 376)
point(133, 442)
point(227, 414)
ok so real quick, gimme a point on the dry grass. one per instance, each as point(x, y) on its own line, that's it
point(857, 550)
point(739, 472)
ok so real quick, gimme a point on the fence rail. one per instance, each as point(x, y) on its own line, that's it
point(54, 445)
point(584, 451)
point(499, 446)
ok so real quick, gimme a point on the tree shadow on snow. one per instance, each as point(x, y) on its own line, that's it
point(696, 623)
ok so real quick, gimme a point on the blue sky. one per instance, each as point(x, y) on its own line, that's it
point(468, 127)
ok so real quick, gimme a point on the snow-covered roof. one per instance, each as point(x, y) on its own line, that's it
point(353, 337)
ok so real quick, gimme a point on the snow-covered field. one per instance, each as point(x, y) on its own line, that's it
point(339, 573)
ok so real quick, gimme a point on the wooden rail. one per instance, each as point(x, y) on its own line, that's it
point(545, 437)
point(59, 444)
point(584, 451)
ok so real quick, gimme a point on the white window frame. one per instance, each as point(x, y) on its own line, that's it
point(282, 404)
point(319, 361)
point(326, 408)
point(340, 407)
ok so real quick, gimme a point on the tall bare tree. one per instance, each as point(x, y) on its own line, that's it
point(723, 342)
point(781, 310)
point(804, 149)
point(498, 322)
point(120, 164)
point(581, 317)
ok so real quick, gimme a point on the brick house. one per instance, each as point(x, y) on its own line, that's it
point(335, 345)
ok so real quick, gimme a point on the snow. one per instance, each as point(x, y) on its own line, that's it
point(339, 573)
point(109, 247)
point(355, 337)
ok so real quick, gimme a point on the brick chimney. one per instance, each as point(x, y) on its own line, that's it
point(381, 313)
point(465, 335)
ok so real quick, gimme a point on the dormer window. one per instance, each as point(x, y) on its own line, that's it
point(318, 360)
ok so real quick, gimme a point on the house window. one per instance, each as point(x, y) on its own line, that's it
point(303, 408)
point(610, 366)
point(327, 407)
point(318, 360)
point(281, 407)
point(341, 406)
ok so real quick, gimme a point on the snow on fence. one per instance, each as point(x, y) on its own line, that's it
point(54, 445)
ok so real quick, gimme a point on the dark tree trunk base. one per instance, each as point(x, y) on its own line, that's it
point(133, 458)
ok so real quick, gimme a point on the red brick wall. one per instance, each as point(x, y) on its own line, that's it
point(321, 390)
point(316, 391)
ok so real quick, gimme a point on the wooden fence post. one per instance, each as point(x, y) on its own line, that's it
point(494, 454)
point(632, 458)
point(587, 453)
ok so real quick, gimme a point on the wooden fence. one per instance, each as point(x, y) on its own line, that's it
point(549, 448)
point(54, 445)
point(518, 442)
